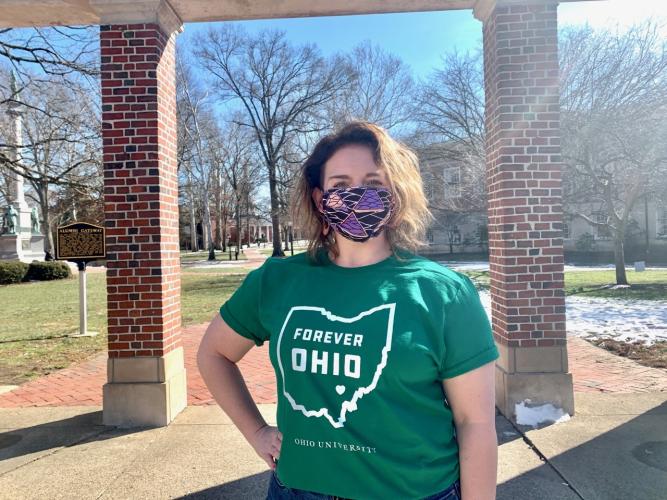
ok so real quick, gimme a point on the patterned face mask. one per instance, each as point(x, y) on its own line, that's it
point(357, 213)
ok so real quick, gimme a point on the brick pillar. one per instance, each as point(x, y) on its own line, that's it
point(146, 374)
point(525, 207)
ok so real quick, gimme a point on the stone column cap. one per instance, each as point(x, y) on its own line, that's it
point(138, 12)
point(483, 8)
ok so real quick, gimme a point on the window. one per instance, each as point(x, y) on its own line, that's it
point(429, 235)
point(427, 179)
point(454, 235)
point(452, 181)
point(661, 222)
point(566, 227)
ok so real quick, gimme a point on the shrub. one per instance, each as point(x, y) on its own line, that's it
point(12, 271)
point(44, 271)
point(585, 242)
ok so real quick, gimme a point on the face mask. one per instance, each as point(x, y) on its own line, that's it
point(357, 213)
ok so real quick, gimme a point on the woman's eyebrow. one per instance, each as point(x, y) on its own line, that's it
point(343, 176)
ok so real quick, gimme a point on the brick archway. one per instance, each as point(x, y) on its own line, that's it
point(146, 375)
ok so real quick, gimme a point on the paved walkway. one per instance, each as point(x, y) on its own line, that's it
point(611, 450)
point(593, 370)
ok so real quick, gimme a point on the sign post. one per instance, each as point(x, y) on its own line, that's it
point(81, 242)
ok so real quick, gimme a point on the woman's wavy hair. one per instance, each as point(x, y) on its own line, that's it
point(406, 227)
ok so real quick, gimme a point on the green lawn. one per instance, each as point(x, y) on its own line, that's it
point(647, 285)
point(268, 250)
point(190, 257)
point(39, 315)
point(33, 333)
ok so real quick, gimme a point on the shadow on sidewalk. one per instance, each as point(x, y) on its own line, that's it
point(600, 456)
point(254, 486)
point(67, 432)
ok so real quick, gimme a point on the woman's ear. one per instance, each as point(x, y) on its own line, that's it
point(317, 196)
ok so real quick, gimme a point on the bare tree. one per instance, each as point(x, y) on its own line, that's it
point(234, 157)
point(449, 107)
point(277, 86)
point(60, 146)
point(379, 89)
point(614, 125)
point(65, 55)
point(42, 59)
point(196, 128)
point(449, 138)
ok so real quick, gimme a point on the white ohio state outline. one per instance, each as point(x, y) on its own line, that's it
point(347, 405)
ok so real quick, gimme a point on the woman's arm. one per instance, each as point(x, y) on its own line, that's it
point(219, 351)
point(471, 396)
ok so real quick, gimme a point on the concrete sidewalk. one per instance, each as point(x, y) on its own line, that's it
point(614, 448)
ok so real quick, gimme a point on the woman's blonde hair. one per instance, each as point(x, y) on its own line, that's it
point(411, 215)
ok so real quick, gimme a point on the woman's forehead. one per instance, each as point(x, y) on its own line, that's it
point(352, 161)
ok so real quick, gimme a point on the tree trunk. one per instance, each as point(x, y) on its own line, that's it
point(275, 219)
point(247, 215)
point(239, 229)
point(46, 221)
point(193, 221)
point(208, 233)
point(619, 258)
point(218, 212)
point(224, 232)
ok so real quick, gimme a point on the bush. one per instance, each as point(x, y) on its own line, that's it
point(45, 271)
point(585, 242)
point(12, 271)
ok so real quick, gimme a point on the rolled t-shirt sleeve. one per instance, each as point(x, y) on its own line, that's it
point(469, 341)
point(242, 310)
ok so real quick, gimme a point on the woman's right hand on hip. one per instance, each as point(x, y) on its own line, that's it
point(267, 441)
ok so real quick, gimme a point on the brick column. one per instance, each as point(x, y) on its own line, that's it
point(525, 207)
point(146, 374)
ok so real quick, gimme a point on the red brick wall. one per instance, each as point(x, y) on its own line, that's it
point(524, 174)
point(140, 190)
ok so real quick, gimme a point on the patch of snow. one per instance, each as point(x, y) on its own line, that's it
point(217, 264)
point(482, 265)
point(625, 320)
point(535, 415)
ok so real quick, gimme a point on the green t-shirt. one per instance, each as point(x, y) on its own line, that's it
point(360, 354)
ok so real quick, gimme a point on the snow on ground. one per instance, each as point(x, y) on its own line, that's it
point(480, 265)
point(592, 317)
point(219, 263)
point(535, 415)
point(620, 319)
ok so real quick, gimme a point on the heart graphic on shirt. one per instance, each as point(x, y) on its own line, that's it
point(340, 389)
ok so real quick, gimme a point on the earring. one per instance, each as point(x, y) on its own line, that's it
point(325, 228)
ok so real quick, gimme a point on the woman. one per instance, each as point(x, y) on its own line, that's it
point(384, 359)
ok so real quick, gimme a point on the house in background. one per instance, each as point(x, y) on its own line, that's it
point(456, 190)
point(646, 232)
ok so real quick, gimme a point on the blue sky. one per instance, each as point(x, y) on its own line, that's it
point(420, 38)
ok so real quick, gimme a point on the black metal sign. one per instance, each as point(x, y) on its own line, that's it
point(80, 241)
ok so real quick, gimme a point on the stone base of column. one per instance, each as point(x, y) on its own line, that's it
point(535, 373)
point(145, 391)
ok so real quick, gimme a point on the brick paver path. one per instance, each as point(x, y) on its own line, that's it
point(593, 370)
point(596, 370)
